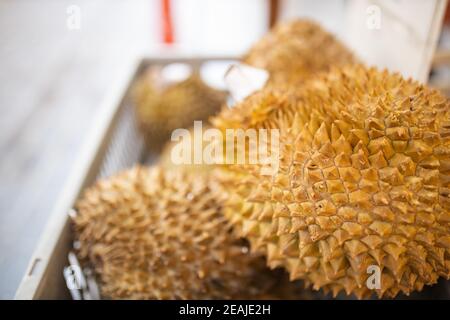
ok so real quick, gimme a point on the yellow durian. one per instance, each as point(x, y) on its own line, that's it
point(151, 233)
point(363, 180)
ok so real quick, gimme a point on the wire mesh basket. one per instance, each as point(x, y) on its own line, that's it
point(116, 143)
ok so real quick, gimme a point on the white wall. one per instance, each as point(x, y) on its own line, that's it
point(404, 40)
point(219, 26)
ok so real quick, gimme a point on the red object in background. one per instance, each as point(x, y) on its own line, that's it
point(167, 26)
point(274, 6)
point(447, 15)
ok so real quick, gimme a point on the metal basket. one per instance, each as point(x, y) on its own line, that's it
point(115, 144)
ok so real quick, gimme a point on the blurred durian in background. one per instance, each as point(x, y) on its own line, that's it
point(163, 105)
point(293, 51)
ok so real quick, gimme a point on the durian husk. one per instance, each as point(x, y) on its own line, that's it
point(151, 233)
point(363, 179)
point(163, 107)
point(293, 51)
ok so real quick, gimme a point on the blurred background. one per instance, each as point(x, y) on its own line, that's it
point(59, 58)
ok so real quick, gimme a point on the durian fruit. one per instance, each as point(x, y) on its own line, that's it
point(295, 50)
point(363, 179)
point(162, 107)
point(160, 234)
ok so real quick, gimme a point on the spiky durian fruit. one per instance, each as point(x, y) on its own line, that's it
point(295, 50)
point(155, 234)
point(363, 179)
point(163, 107)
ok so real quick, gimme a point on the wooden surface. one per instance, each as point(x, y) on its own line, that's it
point(52, 83)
